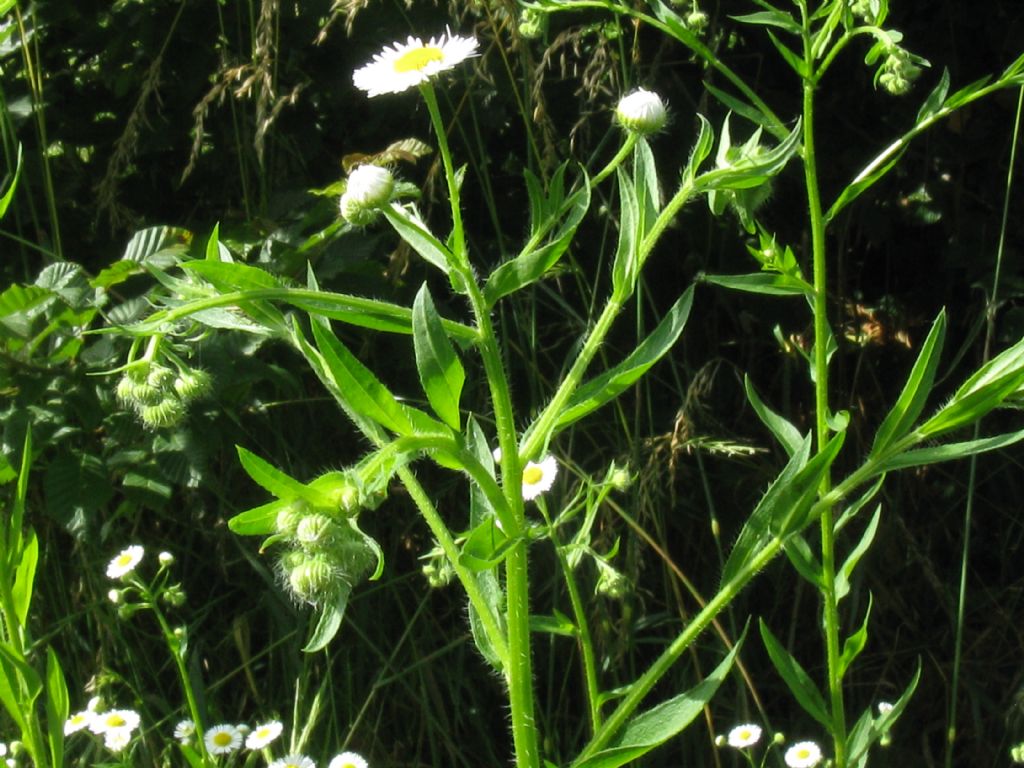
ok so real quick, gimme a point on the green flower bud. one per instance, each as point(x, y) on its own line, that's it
point(697, 20)
point(289, 516)
point(312, 579)
point(532, 23)
point(610, 582)
point(315, 530)
point(192, 384)
point(369, 188)
point(167, 413)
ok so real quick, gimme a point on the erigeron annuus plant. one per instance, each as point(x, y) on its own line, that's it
point(312, 528)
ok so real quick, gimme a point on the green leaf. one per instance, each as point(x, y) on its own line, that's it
point(540, 254)
point(948, 452)
point(754, 170)
point(797, 680)
point(232, 277)
point(258, 521)
point(556, 624)
point(276, 482)
point(803, 560)
point(486, 546)
point(76, 486)
point(329, 621)
point(742, 108)
point(790, 56)
point(657, 725)
point(24, 577)
point(855, 643)
point(161, 244)
point(596, 392)
point(774, 18)
point(215, 250)
point(701, 149)
point(624, 268)
point(862, 182)
point(57, 706)
point(936, 99)
point(845, 572)
point(870, 728)
point(645, 182)
point(900, 420)
point(787, 434)
point(441, 373)
point(413, 230)
point(770, 283)
point(5, 201)
point(18, 308)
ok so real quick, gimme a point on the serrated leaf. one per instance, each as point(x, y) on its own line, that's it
point(657, 725)
point(153, 242)
point(441, 373)
point(900, 420)
point(76, 486)
point(796, 678)
point(604, 388)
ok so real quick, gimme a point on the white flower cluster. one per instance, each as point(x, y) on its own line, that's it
point(804, 754)
point(115, 726)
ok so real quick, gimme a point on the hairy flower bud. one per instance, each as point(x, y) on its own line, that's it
point(192, 384)
point(312, 578)
point(167, 413)
point(642, 112)
point(315, 529)
point(369, 188)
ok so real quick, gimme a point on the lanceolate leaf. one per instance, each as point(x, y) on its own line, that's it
point(595, 393)
point(624, 267)
point(414, 231)
point(908, 407)
point(57, 706)
point(949, 452)
point(441, 373)
point(258, 521)
point(770, 283)
point(787, 435)
point(273, 480)
point(25, 576)
point(659, 724)
point(329, 622)
point(796, 679)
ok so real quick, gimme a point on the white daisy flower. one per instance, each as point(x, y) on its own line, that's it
point(539, 477)
point(263, 734)
point(641, 111)
point(78, 721)
point(293, 760)
point(805, 754)
point(114, 720)
point(184, 731)
point(743, 736)
point(125, 562)
point(222, 739)
point(348, 760)
point(401, 66)
point(117, 739)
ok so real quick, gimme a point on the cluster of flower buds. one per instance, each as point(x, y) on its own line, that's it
point(532, 23)
point(437, 568)
point(899, 70)
point(368, 189)
point(326, 553)
point(160, 395)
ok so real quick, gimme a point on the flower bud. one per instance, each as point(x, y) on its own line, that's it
point(619, 478)
point(697, 20)
point(311, 579)
point(167, 413)
point(369, 188)
point(192, 384)
point(532, 23)
point(641, 112)
point(288, 518)
point(610, 582)
point(166, 559)
point(315, 529)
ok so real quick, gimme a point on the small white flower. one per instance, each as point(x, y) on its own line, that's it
point(125, 562)
point(117, 739)
point(94, 705)
point(744, 736)
point(263, 734)
point(293, 760)
point(184, 731)
point(222, 739)
point(884, 708)
point(348, 760)
point(642, 111)
point(539, 477)
point(404, 65)
point(3, 750)
point(805, 754)
point(78, 721)
point(165, 558)
point(114, 720)
point(114, 596)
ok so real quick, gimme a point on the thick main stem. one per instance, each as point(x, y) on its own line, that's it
point(822, 336)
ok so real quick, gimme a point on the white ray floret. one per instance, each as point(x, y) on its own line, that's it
point(401, 66)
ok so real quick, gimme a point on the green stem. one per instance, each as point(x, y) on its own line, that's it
point(822, 336)
point(616, 161)
point(519, 669)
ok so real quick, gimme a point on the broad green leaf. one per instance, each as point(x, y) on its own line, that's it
point(541, 253)
point(24, 577)
point(845, 572)
point(556, 624)
point(76, 486)
point(660, 723)
point(329, 621)
point(787, 434)
point(193, 758)
point(948, 452)
point(258, 521)
point(855, 643)
point(162, 244)
point(797, 680)
point(411, 228)
point(57, 706)
point(9, 688)
point(18, 308)
point(116, 273)
point(440, 371)
point(276, 482)
point(900, 420)
point(596, 392)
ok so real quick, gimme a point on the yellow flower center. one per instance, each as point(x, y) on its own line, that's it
point(532, 475)
point(418, 58)
point(124, 560)
point(115, 721)
point(222, 739)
